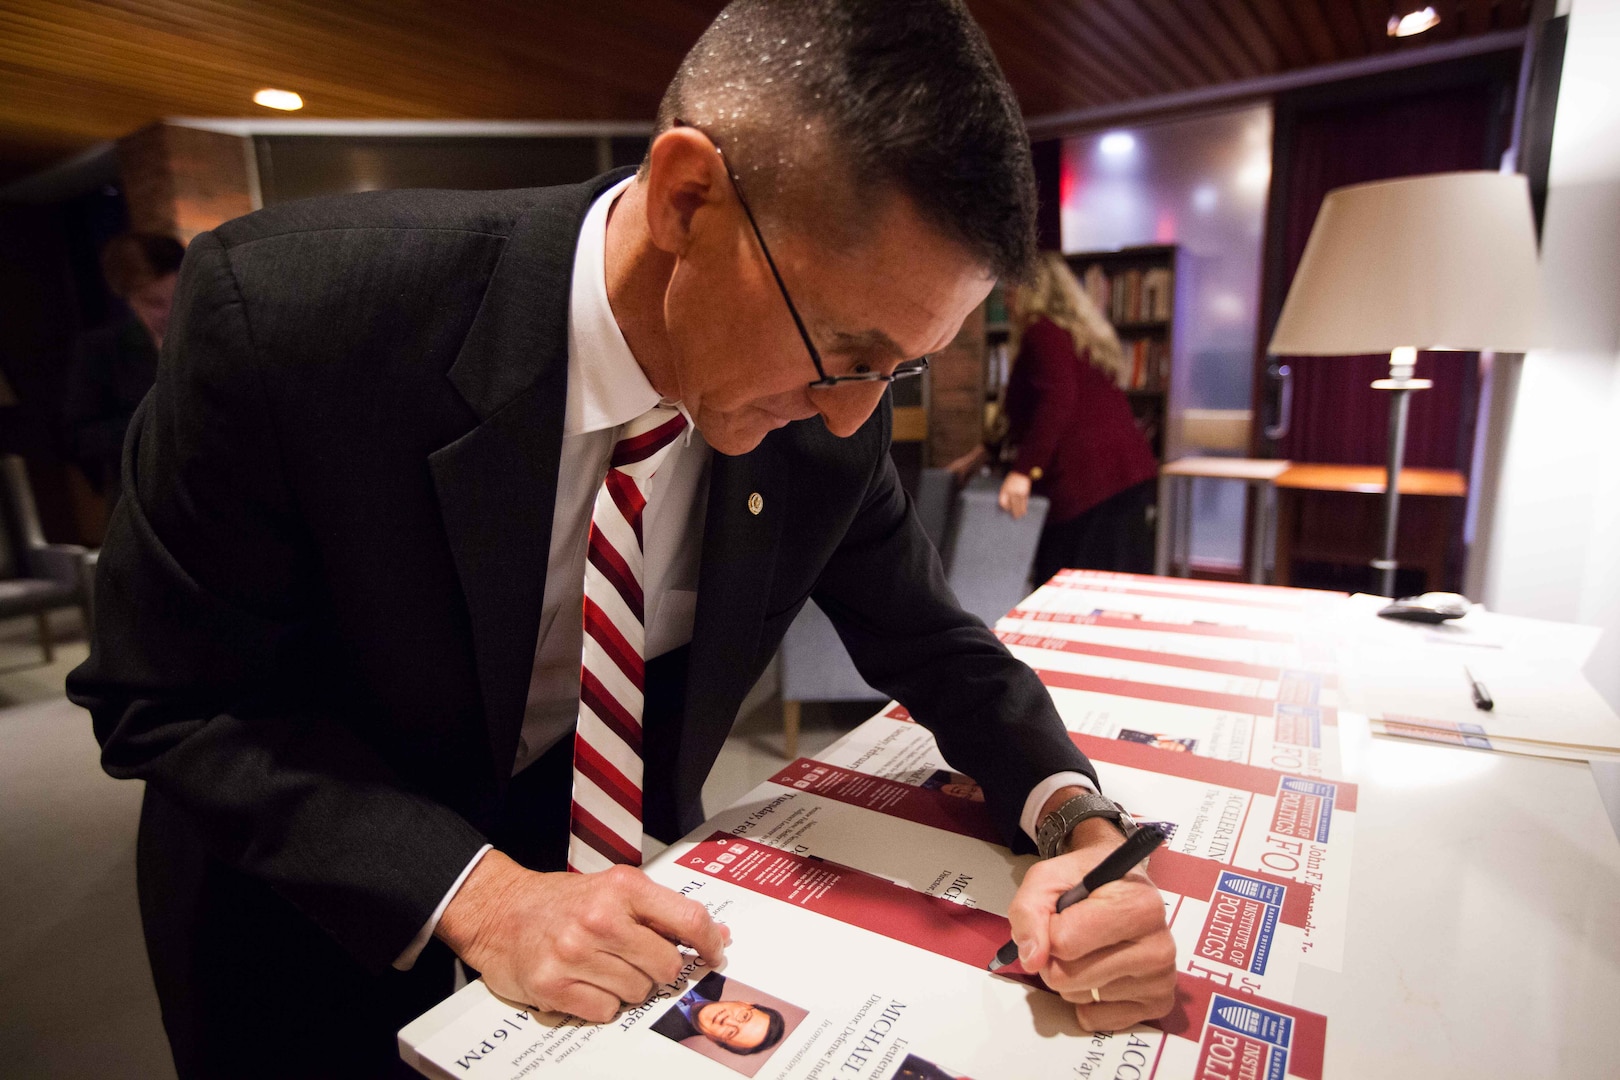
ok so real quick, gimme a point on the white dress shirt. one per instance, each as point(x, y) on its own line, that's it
point(607, 389)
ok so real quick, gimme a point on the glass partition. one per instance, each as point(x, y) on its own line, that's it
point(1199, 183)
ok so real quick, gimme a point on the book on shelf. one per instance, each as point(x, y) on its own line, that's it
point(1157, 292)
point(1147, 366)
point(1131, 297)
point(1096, 286)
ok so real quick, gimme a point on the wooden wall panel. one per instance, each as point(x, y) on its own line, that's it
point(74, 73)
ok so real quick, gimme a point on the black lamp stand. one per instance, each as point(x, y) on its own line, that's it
point(1400, 385)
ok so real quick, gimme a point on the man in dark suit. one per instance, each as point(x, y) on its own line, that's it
point(339, 632)
point(115, 365)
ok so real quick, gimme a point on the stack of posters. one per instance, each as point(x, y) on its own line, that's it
point(833, 971)
point(1236, 672)
point(1266, 825)
point(866, 889)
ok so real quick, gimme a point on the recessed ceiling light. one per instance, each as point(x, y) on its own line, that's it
point(1117, 144)
point(285, 100)
point(1414, 23)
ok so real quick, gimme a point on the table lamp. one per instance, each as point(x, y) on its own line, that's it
point(1446, 261)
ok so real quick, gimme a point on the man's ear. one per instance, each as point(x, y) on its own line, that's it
point(685, 175)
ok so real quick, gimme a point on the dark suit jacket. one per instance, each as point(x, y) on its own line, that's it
point(317, 616)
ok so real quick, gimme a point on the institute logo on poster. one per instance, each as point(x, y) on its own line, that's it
point(1299, 725)
point(1242, 920)
point(1304, 809)
point(1244, 1040)
point(1299, 687)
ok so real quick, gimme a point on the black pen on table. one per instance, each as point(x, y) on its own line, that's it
point(1121, 861)
point(1482, 696)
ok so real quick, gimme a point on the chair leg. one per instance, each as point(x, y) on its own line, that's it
point(45, 641)
point(790, 729)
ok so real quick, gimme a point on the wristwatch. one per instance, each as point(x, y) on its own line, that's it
point(1056, 826)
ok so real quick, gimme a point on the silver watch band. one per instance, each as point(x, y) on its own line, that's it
point(1056, 826)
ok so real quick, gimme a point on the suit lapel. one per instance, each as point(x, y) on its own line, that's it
point(497, 484)
point(734, 581)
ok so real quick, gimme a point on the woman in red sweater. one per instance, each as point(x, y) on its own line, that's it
point(1077, 442)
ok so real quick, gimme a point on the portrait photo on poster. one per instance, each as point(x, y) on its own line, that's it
point(1159, 741)
point(919, 1068)
point(730, 1022)
point(955, 784)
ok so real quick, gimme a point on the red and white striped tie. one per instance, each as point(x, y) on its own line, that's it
point(605, 826)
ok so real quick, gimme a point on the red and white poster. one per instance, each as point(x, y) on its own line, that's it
point(835, 972)
point(1179, 641)
point(1270, 597)
point(1244, 929)
point(1281, 721)
point(1283, 825)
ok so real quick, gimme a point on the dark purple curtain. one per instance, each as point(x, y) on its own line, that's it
point(1337, 417)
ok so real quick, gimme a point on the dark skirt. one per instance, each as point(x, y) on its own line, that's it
point(1116, 534)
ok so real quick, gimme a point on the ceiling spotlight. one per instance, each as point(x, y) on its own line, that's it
point(285, 100)
point(1117, 144)
point(1414, 23)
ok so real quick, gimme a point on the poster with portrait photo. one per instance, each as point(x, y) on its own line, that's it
point(1158, 741)
point(730, 1022)
point(920, 1068)
point(955, 784)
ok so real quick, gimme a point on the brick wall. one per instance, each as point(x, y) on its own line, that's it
point(956, 394)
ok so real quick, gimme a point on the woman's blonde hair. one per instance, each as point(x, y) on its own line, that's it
point(1052, 292)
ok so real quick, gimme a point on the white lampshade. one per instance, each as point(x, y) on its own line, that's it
point(1446, 261)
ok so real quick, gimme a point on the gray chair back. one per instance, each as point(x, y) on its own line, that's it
point(814, 664)
point(989, 554)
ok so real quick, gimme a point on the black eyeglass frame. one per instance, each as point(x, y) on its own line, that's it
point(908, 369)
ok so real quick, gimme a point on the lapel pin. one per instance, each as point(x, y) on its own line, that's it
point(755, 503)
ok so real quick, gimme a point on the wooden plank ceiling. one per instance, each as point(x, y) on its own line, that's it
point(74, 72)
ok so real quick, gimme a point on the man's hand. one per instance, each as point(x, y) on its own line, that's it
point(1114, 941)
point(575, 943)
point(1014, 497)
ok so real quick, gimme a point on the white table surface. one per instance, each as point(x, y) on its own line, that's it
point(1484, 932)
point(1253, 470)
point(1484, 914)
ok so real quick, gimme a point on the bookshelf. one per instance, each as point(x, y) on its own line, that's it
point(1135, 288)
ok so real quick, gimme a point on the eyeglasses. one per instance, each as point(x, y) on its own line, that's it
point(908, 370)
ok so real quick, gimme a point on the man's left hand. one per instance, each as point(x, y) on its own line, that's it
point(1115, 941)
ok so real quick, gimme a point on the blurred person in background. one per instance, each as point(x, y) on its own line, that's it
point(1075, 440)
point(116, 365)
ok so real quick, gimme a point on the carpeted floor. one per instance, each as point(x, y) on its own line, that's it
point(76, 997)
